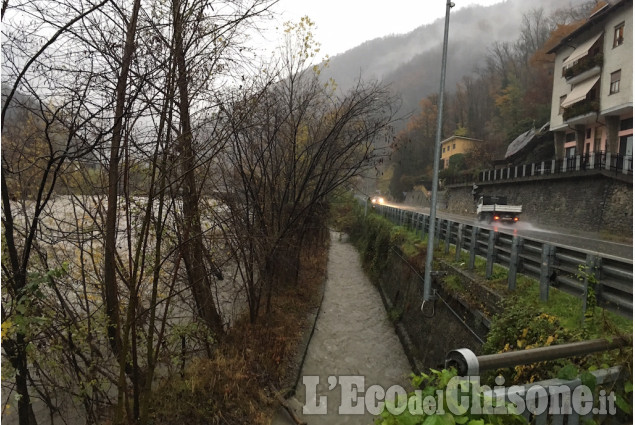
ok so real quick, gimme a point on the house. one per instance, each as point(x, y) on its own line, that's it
point(592, 102)
point(455, 145)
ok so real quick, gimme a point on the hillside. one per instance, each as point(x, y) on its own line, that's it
point(411, 62)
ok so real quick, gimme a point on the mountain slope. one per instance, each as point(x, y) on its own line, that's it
point(411, 62)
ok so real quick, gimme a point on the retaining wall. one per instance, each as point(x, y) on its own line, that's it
point(588, 201)
point(427, 334)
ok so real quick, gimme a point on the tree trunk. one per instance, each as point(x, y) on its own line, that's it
point(192, 245)
point(110, 266)
point(16, 348)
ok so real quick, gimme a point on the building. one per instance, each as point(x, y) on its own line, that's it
point(592, 103)
point(455, 145)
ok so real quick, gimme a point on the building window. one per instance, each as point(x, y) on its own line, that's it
point(597, 143)
point(570, 153)
point(588, 133)
point(615, 81)
point(570, 137)
point(453, 145)
point(626, 124)
point(618, 35)
point(567, 66)
point(626, 145)
point(562, 98)
point(443, 150)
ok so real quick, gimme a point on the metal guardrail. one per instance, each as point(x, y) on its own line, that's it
point(550, 264)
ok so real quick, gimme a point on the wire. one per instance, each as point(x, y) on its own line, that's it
point(436, 293)
point(459, 318)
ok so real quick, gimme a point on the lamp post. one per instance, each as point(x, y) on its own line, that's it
point(427, 284)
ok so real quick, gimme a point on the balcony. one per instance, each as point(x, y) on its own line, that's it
point(581, 108)
point(585, 68)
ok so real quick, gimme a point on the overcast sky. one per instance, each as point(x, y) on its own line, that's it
point(344, 24)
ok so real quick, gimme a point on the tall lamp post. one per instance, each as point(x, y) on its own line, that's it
point(427, 283)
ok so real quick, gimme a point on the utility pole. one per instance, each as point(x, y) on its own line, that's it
point(427, 283)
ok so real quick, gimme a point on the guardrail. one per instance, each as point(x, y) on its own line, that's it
point(550, 264)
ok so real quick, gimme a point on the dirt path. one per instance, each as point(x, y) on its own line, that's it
point(353, 336)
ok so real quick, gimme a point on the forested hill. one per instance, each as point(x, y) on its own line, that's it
point(411, 62)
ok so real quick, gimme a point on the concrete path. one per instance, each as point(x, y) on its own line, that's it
point(353, 336)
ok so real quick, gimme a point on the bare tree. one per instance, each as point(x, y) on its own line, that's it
point(104, 92)
point(58, 110)
point(293, 142)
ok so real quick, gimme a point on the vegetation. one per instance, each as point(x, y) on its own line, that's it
point(251, 365)
point(507, 96)
point(523, 321)
point(428, 386)
point(160, 191)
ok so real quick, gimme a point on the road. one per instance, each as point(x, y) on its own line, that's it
point(591, 242)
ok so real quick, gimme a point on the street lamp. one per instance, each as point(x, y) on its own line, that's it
point(427, 284)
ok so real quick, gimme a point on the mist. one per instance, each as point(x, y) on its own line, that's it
point(411, 62)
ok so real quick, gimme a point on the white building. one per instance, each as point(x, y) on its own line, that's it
point(592, 103)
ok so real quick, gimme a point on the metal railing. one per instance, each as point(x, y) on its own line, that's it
point(553, 396)
point(617, 163)
point(611, 162)
point(570, 270)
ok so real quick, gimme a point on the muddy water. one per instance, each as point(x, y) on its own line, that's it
point(353, 336)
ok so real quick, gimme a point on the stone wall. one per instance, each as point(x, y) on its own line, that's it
point(417, 198)
point(593, 201)
point(428, 335)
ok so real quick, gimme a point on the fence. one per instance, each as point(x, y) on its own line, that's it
point(620, 164)
point(550, 264)
point(616, 163)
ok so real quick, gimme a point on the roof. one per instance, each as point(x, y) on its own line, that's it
point(449, 139)
point(524, 140)
point(596, 16)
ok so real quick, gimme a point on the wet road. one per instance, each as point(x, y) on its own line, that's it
point(583, 241)
point(353, 337)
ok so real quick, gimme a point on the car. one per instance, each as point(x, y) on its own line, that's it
point(377, 200)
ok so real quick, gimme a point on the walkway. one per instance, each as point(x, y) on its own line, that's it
point(353, 336)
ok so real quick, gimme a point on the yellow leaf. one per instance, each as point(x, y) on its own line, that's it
point(6, 328)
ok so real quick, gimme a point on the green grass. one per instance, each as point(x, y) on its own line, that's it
point(568, 309)
point(454, 284)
